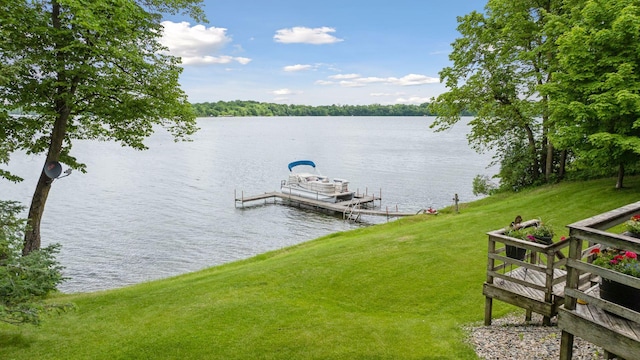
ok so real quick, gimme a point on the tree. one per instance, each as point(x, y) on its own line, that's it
point(89, 70)
point(24, 280)
point(499, 63)
point(596, 93)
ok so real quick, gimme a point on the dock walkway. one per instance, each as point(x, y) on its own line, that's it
point(361, 204)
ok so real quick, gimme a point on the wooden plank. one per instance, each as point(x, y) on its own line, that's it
point(525, 302)
point(598, 334)
point(244, 199)
point(516, 262)
point(606, 238)
point(609, 219)
point(518, 278)
point(592, 297)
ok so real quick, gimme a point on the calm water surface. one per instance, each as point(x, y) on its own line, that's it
point(142, 215)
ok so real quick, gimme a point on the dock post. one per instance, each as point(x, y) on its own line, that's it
point(456, 200)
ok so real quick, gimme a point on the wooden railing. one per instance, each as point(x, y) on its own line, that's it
point(535, 283)
point(584, 313)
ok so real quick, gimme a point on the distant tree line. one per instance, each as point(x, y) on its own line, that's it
point(254, 108)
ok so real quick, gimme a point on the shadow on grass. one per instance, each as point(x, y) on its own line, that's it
point(18, 341)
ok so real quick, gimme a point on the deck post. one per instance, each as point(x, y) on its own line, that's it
point(566, 346)
point(488, 302)
point(488, 307)
point(549, 296)
point(455, 201)
point(575, 252)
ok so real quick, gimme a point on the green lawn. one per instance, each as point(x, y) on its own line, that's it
point(401, 290)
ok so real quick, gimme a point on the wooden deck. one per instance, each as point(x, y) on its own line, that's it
point(530, 283)
point(535, 284)
point(361, 204)
point(603, 323)
point(591, 312)
point(617, 335)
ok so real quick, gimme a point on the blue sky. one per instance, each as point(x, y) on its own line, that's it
point(317, 52)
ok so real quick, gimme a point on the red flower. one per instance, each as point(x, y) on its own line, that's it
point(613, 262)
point(595, 251)
point(563, 238)
point(631, 255)
point(635, 218)
point(618, 258)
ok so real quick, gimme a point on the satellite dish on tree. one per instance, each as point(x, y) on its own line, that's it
point(52, 169)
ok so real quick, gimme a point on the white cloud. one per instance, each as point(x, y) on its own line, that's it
point(224, 59)
point(281, 92)
point(297, 67)
point(386, 94)
point(355, 80)
point(305, 35)
point(196, 44)
point(351, 83)
point(372, 80)
point(413, 100)
point(344, 76)
point(414, 79)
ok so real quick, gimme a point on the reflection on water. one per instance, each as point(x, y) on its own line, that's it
point(138, 216)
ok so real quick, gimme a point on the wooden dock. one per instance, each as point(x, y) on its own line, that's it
point(361, 204)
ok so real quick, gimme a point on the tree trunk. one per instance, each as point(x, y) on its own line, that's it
point(32, 236)
point(63, 95)
point(532, 149)
point(548, 171)
point(563, 164)
point(619, 184)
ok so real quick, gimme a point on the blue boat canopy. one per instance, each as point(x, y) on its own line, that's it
point(301, 162)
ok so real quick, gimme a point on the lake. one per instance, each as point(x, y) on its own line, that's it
point(137, 216)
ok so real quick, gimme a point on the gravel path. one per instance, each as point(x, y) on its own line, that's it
point(513, 338)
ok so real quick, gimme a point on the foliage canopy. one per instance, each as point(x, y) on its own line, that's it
point(595, 94)
point(553, 83)
point(88, 70)
point(502, 57)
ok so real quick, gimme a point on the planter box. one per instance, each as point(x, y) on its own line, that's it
point(515, 252)
point(620, 294)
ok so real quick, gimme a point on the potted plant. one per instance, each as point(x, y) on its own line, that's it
point(540, 233)
point(632, 226)
point(515, 252)
point(622, 261)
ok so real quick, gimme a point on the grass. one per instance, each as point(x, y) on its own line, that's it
point(401, 290)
